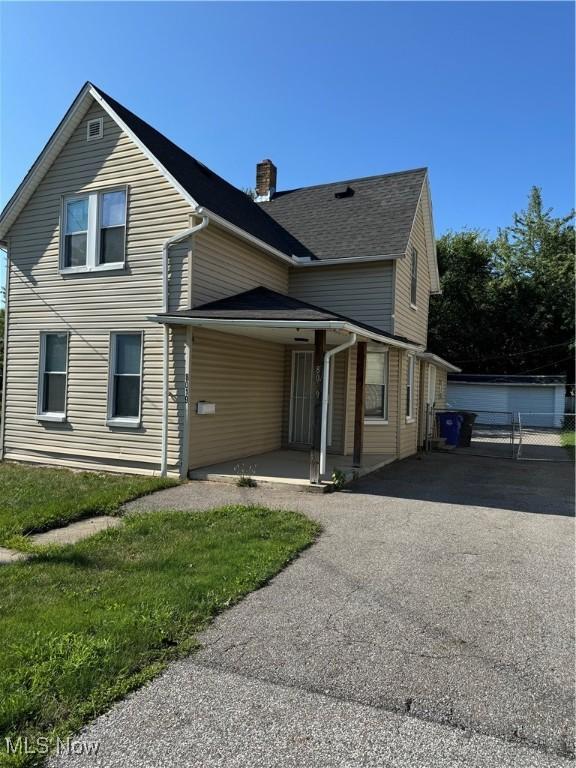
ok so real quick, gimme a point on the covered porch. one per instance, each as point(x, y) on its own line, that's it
point(257, 359)
point(278, 468)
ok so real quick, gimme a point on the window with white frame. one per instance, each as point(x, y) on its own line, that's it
point(94, 231)
point(376, 394)
point(125, 384)
point(414, 277)
point(410, 388)
point(52, 376)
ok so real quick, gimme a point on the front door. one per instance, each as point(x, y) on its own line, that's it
point(301, 399)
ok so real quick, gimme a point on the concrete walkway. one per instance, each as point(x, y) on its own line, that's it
point(67, 534)
point(431, 625)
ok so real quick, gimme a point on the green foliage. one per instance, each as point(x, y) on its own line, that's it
point(507, 304)
point(84, 624)
point(338, 479)
point(38, 498)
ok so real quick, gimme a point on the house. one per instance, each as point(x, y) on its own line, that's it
point(159, 320)
point(540, 400)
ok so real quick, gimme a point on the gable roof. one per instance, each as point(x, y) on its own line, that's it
point(201, 186)
point(370, 216)
point(261, 304)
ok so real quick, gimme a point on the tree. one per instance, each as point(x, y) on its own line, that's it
point(515, 315)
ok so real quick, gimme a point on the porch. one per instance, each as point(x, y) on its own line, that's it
point(289, 467)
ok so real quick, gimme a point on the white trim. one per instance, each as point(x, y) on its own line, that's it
point(429, 235)
point(307, 262)
point(94, 198)
point(413, 306)
point(431, 357)
point(123, 421)
point(100, 134)
point(372, 420)
point(385, 384)
point(330, 325)
point(41, 414)
point(328, 356)
point(55, 417)
point(413, 277)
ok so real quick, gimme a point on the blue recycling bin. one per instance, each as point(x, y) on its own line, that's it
point(449, 426)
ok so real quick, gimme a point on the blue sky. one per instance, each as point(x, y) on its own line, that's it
point(482, 93)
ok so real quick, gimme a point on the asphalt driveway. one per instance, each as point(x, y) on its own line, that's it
point(432, 624)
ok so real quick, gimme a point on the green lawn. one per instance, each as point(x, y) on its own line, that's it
point(568, 437)
point(82, 625)
point(36, 498)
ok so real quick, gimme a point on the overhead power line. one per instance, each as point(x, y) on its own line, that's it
point(514, 354)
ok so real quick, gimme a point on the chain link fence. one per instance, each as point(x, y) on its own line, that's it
point(471, 433)
point(502, 434)
point(537, 443)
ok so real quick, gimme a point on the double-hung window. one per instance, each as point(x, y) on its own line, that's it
point(376, 397)
point(125, 383)
point(410, 389)
point(94, 231)
point(53, 376)
point(414, 277)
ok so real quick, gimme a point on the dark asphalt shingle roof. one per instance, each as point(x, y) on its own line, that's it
point(375, 220)
point(207, 188)
point(263, 304)
point(496, 378)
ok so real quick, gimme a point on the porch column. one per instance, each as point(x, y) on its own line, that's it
point(359, 403)
point(317, 375)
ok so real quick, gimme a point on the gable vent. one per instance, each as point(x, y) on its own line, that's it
point(94, 129)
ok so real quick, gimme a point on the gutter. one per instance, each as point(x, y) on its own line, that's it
point(432, 358)
point(165, 341)
point(325, 385)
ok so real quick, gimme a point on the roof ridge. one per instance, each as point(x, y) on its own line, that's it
point(281, 192)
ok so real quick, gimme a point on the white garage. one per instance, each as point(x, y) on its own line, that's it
point(540, 399)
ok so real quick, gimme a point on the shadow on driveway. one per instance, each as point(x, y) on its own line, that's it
point(542, 488)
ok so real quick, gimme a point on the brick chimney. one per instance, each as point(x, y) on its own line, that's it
point(265, 180)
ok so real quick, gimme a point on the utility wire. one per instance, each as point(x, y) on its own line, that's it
point(553, 362)
point(514, 354)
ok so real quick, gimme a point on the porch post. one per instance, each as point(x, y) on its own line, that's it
point(317, 375)
point(359, 403)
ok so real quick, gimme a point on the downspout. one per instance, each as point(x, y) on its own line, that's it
point(165, 342)
point(325, 388)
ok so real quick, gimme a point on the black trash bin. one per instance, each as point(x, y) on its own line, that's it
point(468, 419)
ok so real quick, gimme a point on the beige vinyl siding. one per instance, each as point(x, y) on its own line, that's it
point(340, 362)
point(362, 292)
point(244, 377)
point(409, 322)
point(441, 387)
point(91, 305)
point(223, 265)
point(408, 430)
point(380, 437)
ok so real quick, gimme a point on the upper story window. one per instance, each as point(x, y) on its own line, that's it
point(52, 377)
point(376, 399)
point(94, 231)
point(414, 277)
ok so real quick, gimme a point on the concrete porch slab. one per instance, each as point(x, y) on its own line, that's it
point(286, 467)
